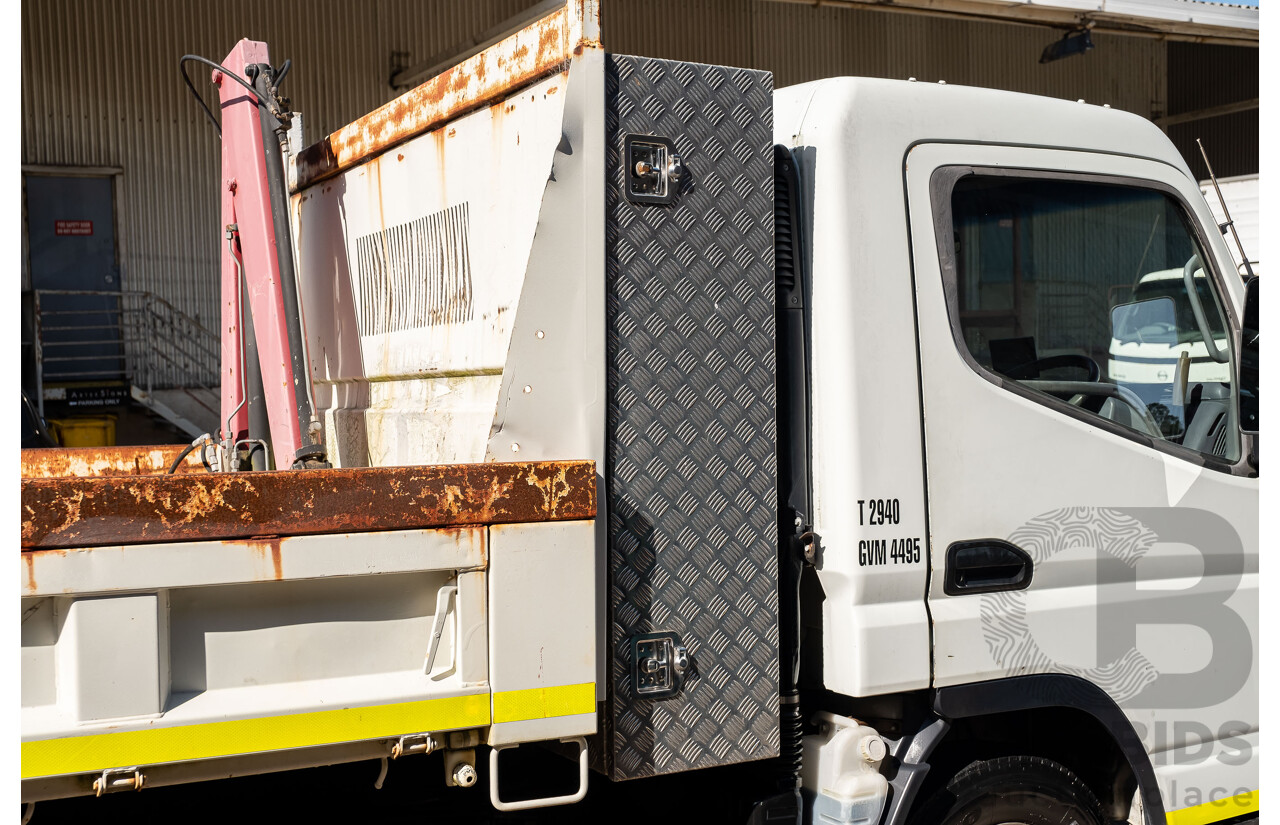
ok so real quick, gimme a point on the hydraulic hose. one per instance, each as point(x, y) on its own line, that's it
point(177, 462)
point(42, 431)
point(791, 724)
point(182, 67)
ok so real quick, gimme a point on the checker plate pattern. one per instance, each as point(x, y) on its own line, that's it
point(692, 468)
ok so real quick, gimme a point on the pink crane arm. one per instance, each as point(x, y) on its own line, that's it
point(257, 249)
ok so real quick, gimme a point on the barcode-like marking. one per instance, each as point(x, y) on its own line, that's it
point(416, 274)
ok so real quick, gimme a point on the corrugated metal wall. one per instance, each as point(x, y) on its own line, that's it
point(801, 42)
point(100, 85)
point(1204, 76)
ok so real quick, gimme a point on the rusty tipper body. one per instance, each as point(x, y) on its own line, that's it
point(67, 513)
point(391, 587)
point(283, 619)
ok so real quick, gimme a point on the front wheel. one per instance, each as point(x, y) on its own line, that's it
point(1014, 789)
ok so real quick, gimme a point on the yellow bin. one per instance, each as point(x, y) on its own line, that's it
point(85, 430)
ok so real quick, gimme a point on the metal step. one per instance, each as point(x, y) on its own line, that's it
point(190, 410)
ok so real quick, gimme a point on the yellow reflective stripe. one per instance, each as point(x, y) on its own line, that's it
point(544, 702)
point(1213, 811)
point(151, 746)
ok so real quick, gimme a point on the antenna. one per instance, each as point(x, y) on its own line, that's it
point(1222, 227)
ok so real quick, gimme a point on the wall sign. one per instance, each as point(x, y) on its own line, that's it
point(73, 227)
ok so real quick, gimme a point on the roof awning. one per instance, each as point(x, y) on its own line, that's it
point(1181, 20)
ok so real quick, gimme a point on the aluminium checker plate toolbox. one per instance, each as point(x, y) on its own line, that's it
point(691, 473)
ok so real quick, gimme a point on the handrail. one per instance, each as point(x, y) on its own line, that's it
point(159, 346)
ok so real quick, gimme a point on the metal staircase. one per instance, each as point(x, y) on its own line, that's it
point(100, 347)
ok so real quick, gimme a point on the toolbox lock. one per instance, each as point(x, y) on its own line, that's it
point(653, 169)
point(659, 663)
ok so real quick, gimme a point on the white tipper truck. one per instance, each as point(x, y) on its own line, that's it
point(679, 422)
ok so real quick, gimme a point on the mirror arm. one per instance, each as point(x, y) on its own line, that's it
point(1247, 372)
point(1188, 277)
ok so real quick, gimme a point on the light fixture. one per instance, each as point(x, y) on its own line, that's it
point(1076, 42)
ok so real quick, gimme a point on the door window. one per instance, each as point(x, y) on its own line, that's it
point(1094, 295)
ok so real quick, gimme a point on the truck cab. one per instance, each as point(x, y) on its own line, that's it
point(969, 394)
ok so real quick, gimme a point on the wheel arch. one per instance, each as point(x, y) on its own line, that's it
point(975, 720)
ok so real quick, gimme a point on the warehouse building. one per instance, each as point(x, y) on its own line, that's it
point(121, 167)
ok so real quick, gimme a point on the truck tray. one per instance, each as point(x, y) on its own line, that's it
point(62, 513)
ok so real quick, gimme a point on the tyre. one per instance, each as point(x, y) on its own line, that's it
point(1029, 790)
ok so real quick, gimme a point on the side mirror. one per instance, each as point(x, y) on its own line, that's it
point(1153, 321)
point(1248, 386)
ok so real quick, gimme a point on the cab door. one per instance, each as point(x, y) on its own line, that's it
point(1091, 510)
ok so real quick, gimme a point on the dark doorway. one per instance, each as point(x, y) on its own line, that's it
point(76, 309)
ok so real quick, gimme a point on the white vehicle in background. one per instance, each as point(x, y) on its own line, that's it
point(1241, 195)
point(1169, 348)
point(1151, 334)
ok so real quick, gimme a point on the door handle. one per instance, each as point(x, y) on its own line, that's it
point(437, 626)
point(986, 566)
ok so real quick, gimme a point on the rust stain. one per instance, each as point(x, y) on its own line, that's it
point(437, 137)
point(50, 553)
point(467, 538)
point(29, 558)
point(376, 180)
point(551, 45)
point(265, 546)
point(88, 512)
point(490, 75)
point(452, 132)
point(64, 462)
point(553, 90)
point(399, 157)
